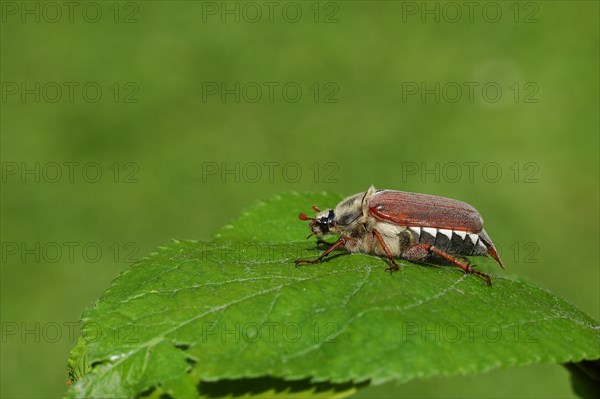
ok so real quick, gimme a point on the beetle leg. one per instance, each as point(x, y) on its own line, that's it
point(420, 251)
point(417, 252)
point(394, 266)
point(339, 243)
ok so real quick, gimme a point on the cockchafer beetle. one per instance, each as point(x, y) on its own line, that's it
point(411, 226)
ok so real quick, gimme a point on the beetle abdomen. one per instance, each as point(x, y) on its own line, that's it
point(453, 242)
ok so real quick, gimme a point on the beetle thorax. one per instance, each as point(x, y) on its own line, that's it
point(351, 217)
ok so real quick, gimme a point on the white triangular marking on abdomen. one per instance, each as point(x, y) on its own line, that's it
point(474, 238)
point(430, 230)
point(446, 232)
point(461, 234)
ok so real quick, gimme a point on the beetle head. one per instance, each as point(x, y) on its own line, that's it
point(322, 223)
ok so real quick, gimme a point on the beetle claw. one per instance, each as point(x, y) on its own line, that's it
point(392, 268)
point(488, 280)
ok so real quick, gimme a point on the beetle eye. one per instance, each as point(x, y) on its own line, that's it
point(330, 217)
point(323, 225)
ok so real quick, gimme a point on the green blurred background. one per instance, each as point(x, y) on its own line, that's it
point(378, 106)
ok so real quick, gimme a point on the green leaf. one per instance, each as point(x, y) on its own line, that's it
point(78, 363)
point(235, 317)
